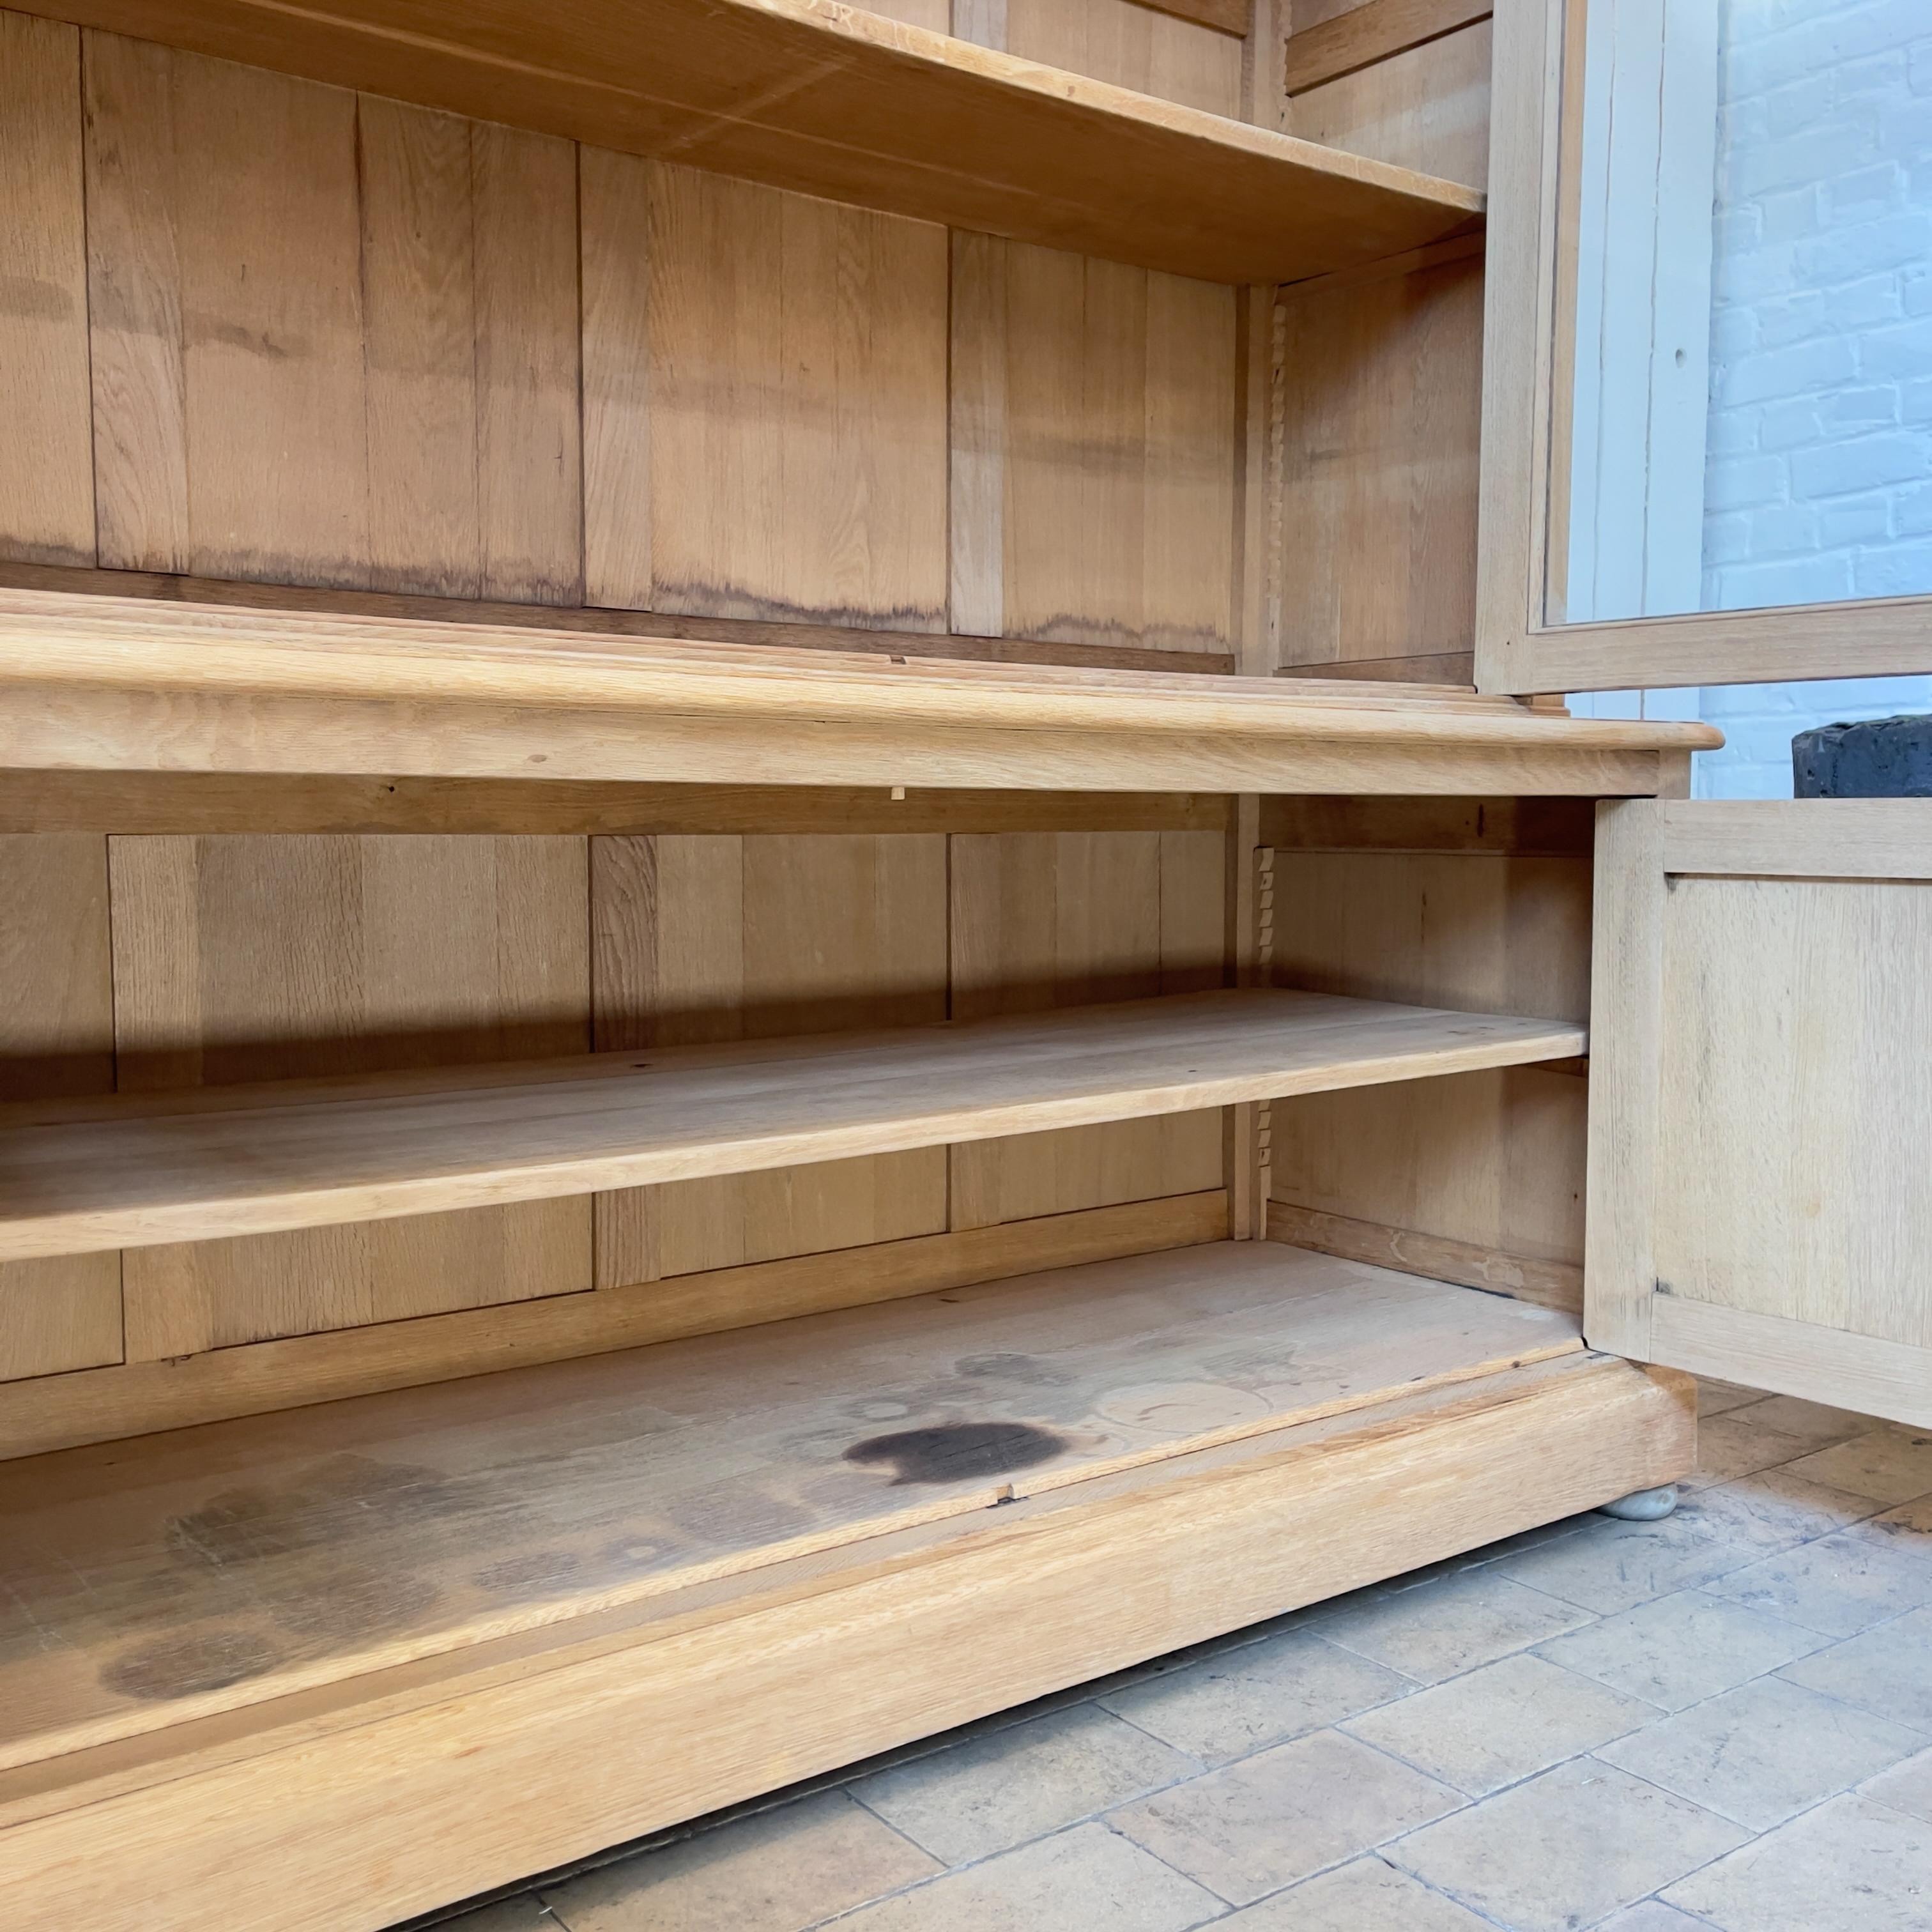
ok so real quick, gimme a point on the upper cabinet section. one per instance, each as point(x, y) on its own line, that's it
point(1707, 455)
point(828, 100)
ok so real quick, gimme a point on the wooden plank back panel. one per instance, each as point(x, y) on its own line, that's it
point(1131, 44)
point(1094, 417)
point(1426, 107)
point(1494, 1161)
point(701, 939)
point(1382, 410)
point(240, 958)
point(334, 339)
point(56, 1037)
point(1064, 919)
point(793, 353)
point(46, 485)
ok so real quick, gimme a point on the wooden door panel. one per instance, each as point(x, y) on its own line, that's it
point(1760, 1204)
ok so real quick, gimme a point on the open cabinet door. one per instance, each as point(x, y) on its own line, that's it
point(1760, 1176)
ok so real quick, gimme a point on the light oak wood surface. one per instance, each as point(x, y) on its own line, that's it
point(719, 1692)
point(235, 1564)
point(1760, 1138)
point(134, 1172)
point(838, 103)
point(87, 682)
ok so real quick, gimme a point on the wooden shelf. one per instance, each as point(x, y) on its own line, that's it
point(94, 683)
point(144, 1585)
point(837, 102)
point(134, 1170)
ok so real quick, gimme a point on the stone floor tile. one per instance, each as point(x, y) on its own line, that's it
point(1615, 1566)
point(1226, 1706)
point(1908, 1527)
point(1793, 1509)
point(1453, 1624)
point(1682, 1648)
point(1887, 1671)
point(774, 1871)
point(1368, 1896)
point(1892, 1464)
point(1566, 1849)
point(1907, 1787)
point(1850, 1866)
point(1714, 1398)
point(1792, 1415)
point(999, 1788)
point(1499, 1723)
point(524, 1914)
point(1740, 1444)
point(1283, 1814)
point(1838, 1585)
point(1087, 1879)
point(1764, 1752)
point(1652, 1916)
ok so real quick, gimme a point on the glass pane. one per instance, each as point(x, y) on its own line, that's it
point(1749, 192)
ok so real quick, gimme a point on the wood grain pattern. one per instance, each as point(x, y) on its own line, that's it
point(46, 465)
point(1547, 1283)
point(468, 284)
point(225, 268)
point(277, 266)
point(1094, 419)
point(1167, 50)
point(1425, 106)
point(1379, 472)
point(802, 443)
point(56, 1038)
point(52, 1412)
point(491, 1506)
point(595, 1739)
point(95, 682)
point(700, 940)
point(162, 801)
point(1794, 1123)
point(137, 1172)
point(1493, 1161)
point(1371, 31)
point(740, 632)
point(262, 958)
point(1065, 920)
point(896, 118)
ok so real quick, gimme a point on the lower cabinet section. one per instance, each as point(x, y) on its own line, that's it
point(334, 1666)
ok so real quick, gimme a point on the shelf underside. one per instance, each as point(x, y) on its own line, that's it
point(139, 1169)
point(146, 1584)
point(834, 101)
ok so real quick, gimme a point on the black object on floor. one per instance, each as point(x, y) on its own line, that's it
point(1884, 757)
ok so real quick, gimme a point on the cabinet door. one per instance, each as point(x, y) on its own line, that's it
point(1760, 1189)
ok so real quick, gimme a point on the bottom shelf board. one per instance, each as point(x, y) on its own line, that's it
point(150, 1582)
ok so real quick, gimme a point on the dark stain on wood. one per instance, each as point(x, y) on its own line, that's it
point(955, 1451)
point(342, 1498)
point(335, 1604)
point(543, 1573)
point(186, 1665)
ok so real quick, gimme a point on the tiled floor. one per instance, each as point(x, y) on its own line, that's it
point(1723, 1719)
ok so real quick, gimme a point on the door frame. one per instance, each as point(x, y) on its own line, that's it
point(1529, 309)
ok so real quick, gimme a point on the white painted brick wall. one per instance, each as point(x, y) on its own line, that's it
point(1818, 481)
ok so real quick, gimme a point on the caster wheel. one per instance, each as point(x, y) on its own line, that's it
point(1643, 1505)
